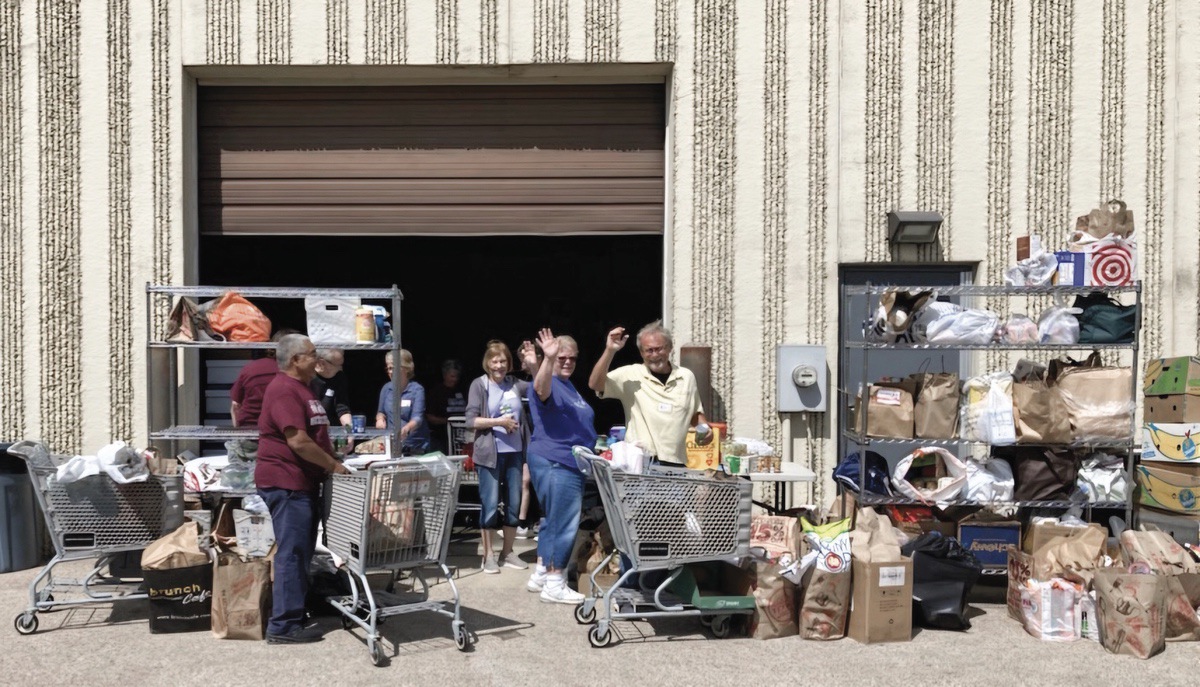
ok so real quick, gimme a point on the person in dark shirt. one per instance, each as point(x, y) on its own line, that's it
point(294, 457)
point(330, 385)
point(247, 390)
point(445, 400)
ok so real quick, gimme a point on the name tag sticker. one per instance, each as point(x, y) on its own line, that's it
point(508, 395)
point(405, 402)
point(665, 407)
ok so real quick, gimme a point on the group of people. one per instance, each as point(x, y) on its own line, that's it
point(292, 404)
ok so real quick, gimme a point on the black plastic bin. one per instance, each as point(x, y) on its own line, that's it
point(22, 528)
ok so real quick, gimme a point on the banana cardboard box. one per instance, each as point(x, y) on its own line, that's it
point(1170, 442)
point(1169, 487)
point(1169, 376)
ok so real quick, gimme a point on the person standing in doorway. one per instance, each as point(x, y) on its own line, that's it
point(294, 458)
point(445, 400)
point(330, 386)
point(661, 400)
point(414, 431)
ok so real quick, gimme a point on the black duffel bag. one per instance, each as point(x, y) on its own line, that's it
point(943, 575)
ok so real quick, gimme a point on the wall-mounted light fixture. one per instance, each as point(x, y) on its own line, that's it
point(913, 227)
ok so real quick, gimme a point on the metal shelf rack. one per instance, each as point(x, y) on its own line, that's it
point(178, 432)
point(858, 435)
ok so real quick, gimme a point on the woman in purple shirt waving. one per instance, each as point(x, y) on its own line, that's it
point(561, 420)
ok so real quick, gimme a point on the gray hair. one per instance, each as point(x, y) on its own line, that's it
point(328, 354)
point(655, 327)
point(290, 346)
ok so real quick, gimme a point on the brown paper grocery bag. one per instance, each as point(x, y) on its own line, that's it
point(1099, 402)
point(826, 605)
point(935, 414)
point(1158, 551)
point(1074, 558)
point(774, 604)
point(241, 600)
point(179, 549)
point(1132, 612)
point(889, 411)
point(1040, 413)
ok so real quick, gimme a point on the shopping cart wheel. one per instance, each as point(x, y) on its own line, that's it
point(600, 639)
point(462, 639)
point(585, 613)
point(706, 621)
point(26, 623)
point(720, 626)
point(376, 650)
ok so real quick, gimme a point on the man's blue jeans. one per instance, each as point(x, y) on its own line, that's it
point(560, 491)
point(294, 519)
point(509, 473)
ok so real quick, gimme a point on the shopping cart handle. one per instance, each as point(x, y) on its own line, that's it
point(583, 459)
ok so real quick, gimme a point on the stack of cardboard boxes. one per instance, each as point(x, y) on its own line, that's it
point(1168, 477)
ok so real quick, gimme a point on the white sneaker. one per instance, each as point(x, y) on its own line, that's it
point(561, 594)
point(537, 580)
point(523, 533)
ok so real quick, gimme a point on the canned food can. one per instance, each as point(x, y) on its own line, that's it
point(617, 433)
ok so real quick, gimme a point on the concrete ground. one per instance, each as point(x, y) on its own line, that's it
point(523, 641)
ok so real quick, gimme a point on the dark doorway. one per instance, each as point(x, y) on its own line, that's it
point(459, 293)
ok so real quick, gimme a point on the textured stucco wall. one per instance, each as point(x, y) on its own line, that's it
point(794, 127)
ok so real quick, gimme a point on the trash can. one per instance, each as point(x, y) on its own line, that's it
point(21, 525)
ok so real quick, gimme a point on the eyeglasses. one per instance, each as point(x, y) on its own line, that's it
point(654, 349)
point(567, 358)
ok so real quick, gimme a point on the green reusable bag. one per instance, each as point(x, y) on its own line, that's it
point(1105, 321)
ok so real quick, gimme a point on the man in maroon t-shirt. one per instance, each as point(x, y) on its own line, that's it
point(294, 456)
point(251, 383)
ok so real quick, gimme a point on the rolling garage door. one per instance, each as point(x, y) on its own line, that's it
point(442, 160)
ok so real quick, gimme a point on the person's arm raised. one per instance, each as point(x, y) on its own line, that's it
point(615, 342)
point(541, 381)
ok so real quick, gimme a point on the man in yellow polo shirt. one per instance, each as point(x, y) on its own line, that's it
point(661, 400)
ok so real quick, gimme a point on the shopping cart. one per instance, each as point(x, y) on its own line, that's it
point(93, 518)
point(665, 520)
point(394, 515)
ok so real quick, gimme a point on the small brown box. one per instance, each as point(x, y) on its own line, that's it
point(1172, 408)
point(881, 601)
point(1022, 248)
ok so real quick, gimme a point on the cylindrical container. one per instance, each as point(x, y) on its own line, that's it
point(358, 423)
point(733, 464)
point(617, 433)
point(364, 325)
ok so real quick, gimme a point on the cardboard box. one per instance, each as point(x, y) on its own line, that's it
point(1037, 535)
point(989, 541)
point(704, 457)
point(1172, 376)
point(1072, 268)
point(1024, 249)
point(1172, 408)
point(881, 602)
point(1169, 487)
point(1170, 442)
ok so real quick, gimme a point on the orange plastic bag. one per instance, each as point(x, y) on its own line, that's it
point(237, 319)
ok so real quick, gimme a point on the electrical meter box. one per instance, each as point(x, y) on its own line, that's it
point(803, 379)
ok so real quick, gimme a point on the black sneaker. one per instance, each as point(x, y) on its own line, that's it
point(300, 635)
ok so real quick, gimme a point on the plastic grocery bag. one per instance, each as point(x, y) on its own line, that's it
point(1059, 325)
point(989, 481)
point(970, 326)
point(1036, 270)
point(1048, 609)
point(1103, 477)
point(987, 410)
point(947, 481)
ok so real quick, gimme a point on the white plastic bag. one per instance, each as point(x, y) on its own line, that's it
point(627, 457)
point(1036, 270)
point(986, 413)
point(331, 320)
point(948, 486)
point(1019, 329)
point(1048, 609)
point(970, 326)
point(1059, 325)
point(932, 311)
point(989, 481)
point(1103, 478)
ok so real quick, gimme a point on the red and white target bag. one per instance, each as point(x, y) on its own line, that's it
point(1111, 261)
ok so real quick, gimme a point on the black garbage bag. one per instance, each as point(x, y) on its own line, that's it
point(943, 575)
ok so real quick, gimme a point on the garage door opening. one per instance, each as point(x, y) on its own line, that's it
point(459, 293)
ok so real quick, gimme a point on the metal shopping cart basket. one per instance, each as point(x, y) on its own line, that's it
point(394, 515)
point(93, 518)
point(666, 519)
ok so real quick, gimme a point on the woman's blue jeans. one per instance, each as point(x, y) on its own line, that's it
point(560, 491)
point(507, 474)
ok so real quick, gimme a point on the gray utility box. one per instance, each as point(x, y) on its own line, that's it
point(802, 378)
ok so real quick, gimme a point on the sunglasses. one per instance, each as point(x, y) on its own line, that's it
point(567, 358)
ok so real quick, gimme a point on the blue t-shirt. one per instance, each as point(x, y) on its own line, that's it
point(563, 420)
point(412, 404)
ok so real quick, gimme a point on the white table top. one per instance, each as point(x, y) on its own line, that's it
point(794, 474)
